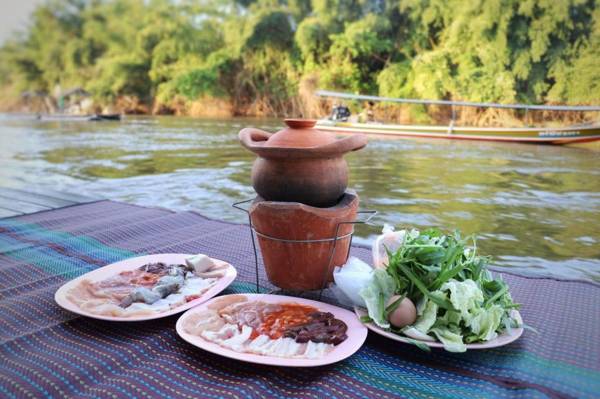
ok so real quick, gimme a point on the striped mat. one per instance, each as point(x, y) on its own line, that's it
point(48, 352)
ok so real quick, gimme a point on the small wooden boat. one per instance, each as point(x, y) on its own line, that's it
point(545, 135)
point(91, 118)
point(105, 117)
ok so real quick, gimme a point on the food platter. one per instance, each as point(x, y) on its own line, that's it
point(503, 339)
point(356, 332)
point(62, 296)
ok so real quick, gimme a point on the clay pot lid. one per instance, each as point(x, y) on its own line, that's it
point(299, 140)
point(300, 133)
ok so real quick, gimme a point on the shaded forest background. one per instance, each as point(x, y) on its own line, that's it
point(266, 57)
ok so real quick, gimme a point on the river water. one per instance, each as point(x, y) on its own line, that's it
point(535, 209)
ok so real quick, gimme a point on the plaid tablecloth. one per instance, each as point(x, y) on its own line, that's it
point(48, 352)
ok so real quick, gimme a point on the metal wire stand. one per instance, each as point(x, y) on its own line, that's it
point(335, 239)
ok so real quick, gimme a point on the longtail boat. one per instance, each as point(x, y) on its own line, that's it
point(342, 123)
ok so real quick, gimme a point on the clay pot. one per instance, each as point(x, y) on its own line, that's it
point(300, 266)
point(300, 163)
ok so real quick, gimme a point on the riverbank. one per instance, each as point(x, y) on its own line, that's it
point(305, 105)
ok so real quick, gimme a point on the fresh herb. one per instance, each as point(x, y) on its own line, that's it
point(460, 301)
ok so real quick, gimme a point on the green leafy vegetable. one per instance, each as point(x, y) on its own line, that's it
point(419, 344)
point(458, 300)
point(485, 322)
point(452, 341)
point(376, 294)
point(464, 295)
point(426, 321)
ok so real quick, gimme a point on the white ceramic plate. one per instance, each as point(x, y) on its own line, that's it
point(133, 263)
point(503, 339)
point(357, 333)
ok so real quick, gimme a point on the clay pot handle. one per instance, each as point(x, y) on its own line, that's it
point(347, 144)
point(251, 137)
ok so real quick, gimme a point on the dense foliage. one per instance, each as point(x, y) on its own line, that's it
point(257, 54)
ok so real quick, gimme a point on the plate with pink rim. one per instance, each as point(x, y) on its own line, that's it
point(356, 332)
point(114, 269)
point(503, 339)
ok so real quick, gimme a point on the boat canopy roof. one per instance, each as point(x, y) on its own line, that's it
point(347, 96)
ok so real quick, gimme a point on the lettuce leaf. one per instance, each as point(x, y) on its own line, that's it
point(376, 294)
point(412, 332)
point(427, 319)
point(451, 317)
point(453, 342)
point(464, 295)
point(484, 322)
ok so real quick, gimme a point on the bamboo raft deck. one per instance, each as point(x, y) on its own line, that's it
point(16, 202)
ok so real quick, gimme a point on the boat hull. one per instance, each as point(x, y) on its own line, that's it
point(69, 117)
point(558, 136)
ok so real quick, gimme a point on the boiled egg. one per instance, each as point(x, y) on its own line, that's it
point(404, 315)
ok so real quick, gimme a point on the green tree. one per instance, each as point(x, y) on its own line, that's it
point(358, 54)
point(254, 53)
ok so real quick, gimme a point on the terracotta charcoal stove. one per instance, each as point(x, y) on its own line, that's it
point(303, 213)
